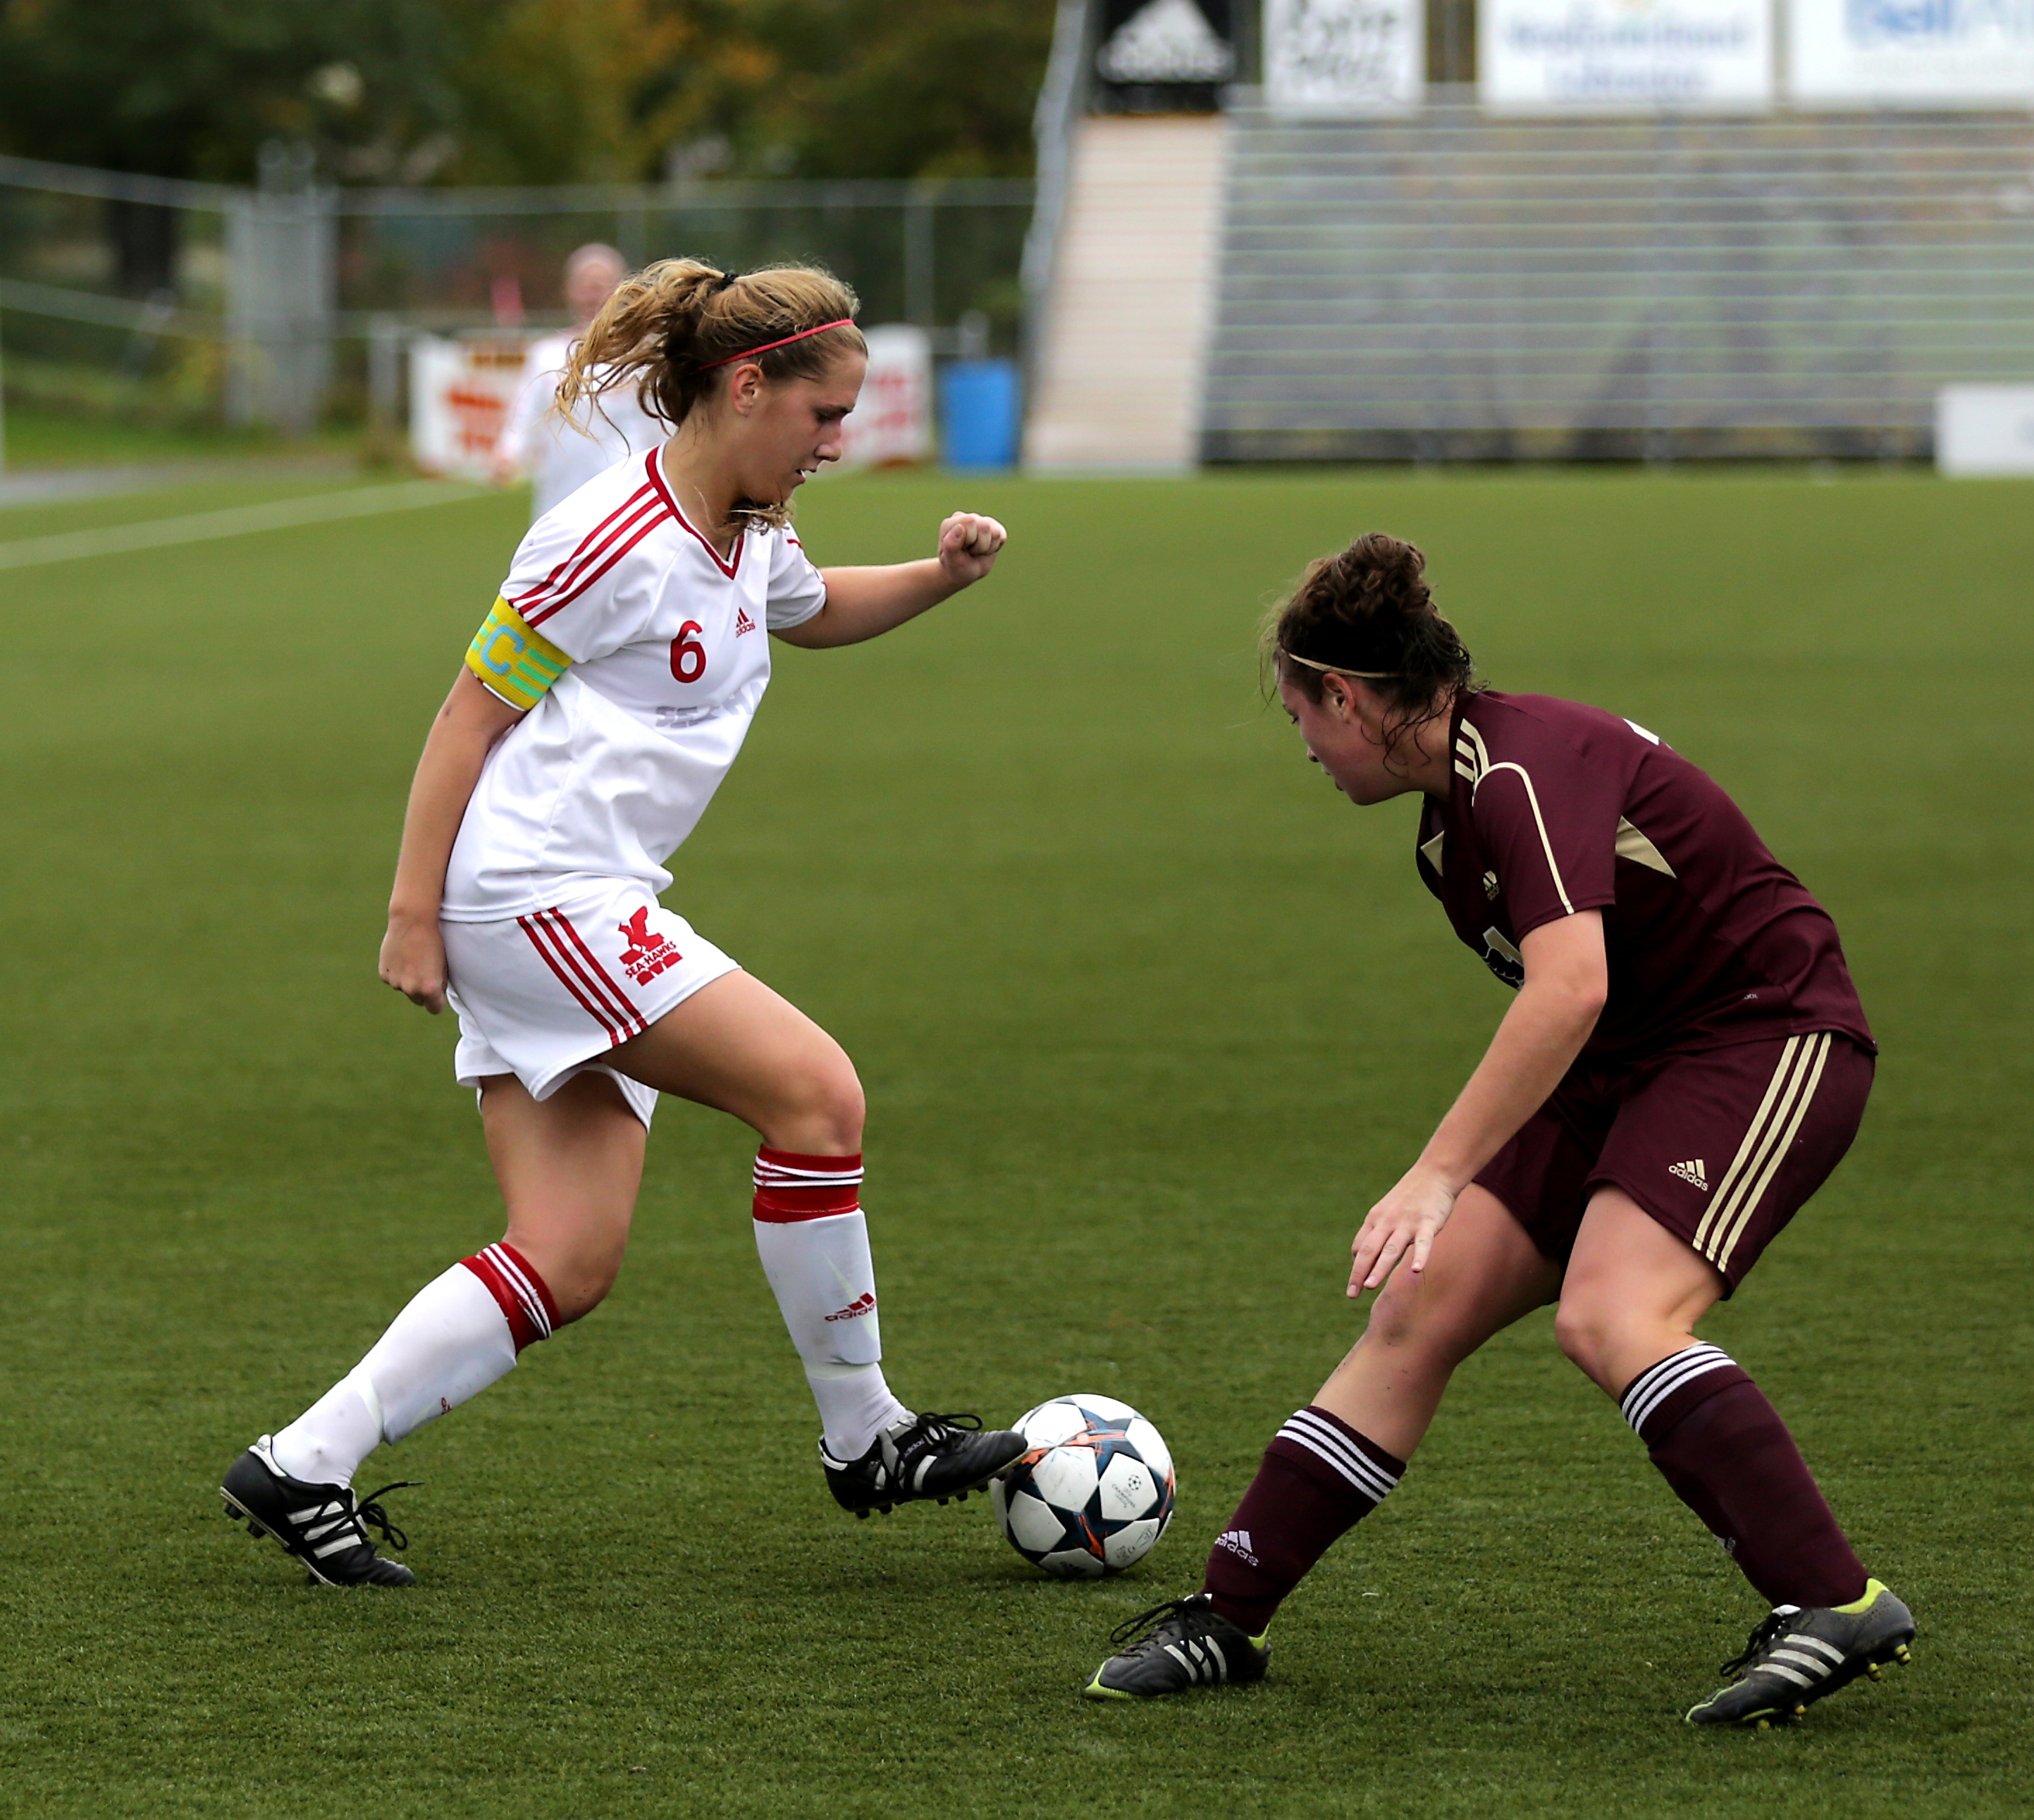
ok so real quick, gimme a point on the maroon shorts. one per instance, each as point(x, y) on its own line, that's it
point(1722, 1146)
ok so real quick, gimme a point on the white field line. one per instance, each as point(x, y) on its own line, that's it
point(235, 521)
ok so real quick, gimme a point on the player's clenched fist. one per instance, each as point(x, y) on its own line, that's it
point(413, 961)
point(968, 544)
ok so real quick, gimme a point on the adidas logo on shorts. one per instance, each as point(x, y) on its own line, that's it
point(1237, 1542)
point(1690, 1173)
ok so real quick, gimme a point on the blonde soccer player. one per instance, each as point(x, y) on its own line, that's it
point(600, 704)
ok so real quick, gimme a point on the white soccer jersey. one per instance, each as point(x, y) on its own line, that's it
point(664, 651)
point(562, 457)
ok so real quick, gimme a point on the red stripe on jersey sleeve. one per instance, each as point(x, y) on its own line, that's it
point(634, 503)
point(620, 542)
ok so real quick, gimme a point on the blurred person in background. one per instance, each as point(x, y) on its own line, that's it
point(560, 456)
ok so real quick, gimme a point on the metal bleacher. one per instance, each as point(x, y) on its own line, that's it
point(1456, 285)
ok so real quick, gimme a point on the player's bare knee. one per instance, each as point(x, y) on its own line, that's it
point(1394, 1317)
point(821, 1111)
point(1409, 1317)
point(577, 1276)
point(1586, 1331)
point(584, 1285)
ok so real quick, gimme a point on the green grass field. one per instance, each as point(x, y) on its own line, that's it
point(1147, 1016)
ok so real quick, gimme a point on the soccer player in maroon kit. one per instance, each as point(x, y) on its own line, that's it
point(1685, 1062)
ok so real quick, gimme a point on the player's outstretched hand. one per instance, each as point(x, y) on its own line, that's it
point(1404, 1223)
point(968, 544)
point(413, 961)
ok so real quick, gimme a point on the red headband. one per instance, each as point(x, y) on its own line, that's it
point(750, 353)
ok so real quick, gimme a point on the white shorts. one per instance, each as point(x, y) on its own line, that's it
point(543, 997)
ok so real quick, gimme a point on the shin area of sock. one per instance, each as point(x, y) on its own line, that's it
point(461, 1333)
point(1724, 1449)
point(1318, 1478)
point(455, 1337)
point(813, 1241)
point(812, 1238)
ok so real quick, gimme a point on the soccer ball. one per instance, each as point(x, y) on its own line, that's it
point(1092, 1494)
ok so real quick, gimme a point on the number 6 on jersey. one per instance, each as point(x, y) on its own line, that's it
point(688, 654)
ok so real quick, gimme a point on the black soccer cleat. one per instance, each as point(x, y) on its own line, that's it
point(1187, 1644)
point(1796, 1656)
point(922, 1456)
point(325, 1526)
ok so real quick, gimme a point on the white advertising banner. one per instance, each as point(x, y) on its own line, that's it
point(1344, 57)
point(459, 395)
point(1625, 56)
point(1911, 53)
point(892, 420)
point(1985, 429)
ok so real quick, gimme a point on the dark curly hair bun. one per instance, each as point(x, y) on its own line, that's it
point(1368, 609)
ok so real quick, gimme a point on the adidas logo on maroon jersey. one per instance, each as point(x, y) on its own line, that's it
point(863, 1304)
point(742, 622)
point(1690, 1173)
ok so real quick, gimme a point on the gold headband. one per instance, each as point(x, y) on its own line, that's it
point(1341, 669)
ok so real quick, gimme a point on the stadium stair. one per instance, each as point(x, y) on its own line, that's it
point(1119, 372)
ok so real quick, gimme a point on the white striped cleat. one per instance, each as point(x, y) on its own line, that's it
point(1187, 1643)
point(1798, 1655)
point(323, 1527)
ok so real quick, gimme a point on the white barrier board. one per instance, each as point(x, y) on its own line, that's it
point(1911, 53)
point(892, 421)
point(1624, 56)
point(459, 395)
point(1985, 429)
point(1330, 57)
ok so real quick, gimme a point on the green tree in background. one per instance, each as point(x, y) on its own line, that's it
point(864, 88)
point(526, 90)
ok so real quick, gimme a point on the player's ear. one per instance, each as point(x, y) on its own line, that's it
point(745, 388)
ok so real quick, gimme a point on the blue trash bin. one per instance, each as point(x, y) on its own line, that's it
point(978, 413)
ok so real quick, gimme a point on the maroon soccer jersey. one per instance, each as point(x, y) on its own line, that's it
point(1556, 808)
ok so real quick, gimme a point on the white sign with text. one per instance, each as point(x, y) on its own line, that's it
point(1625, 56)
point(460, 391)
point(892, 420)
point(1325, 58)
point(1913, 52)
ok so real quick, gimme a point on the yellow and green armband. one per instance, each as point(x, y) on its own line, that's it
point(516, 663)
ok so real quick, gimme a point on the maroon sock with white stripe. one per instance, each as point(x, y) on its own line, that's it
point(813, 1240)
point(458, 1335)
point(1319, 1478)
point(1729, 1456)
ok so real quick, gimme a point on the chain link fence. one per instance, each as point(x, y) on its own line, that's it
point(291, 302)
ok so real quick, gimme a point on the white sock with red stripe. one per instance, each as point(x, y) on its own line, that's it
point(460, 1333)
point(814, 1244)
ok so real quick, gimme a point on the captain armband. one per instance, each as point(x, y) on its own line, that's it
point(512, 660)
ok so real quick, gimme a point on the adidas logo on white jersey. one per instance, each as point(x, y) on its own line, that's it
point(1237, 1542)
point(1691, 1173)
point(742, 622)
